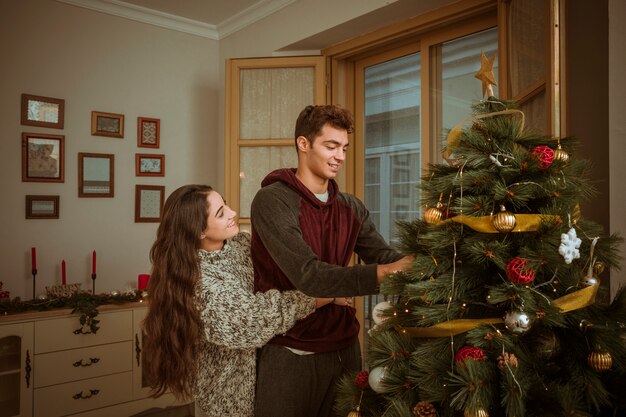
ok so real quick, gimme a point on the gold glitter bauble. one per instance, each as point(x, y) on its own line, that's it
point(480, 412)
point(503, 221)
point(600, 361)
point(355, 413)
point(433, 215)
point(560, 154)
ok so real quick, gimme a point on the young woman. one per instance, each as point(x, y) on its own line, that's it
point(204, 322)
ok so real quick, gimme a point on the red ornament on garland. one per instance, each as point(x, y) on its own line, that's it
point(518, 271)
point(361, 379)
point(469, 352)
point(544, 155)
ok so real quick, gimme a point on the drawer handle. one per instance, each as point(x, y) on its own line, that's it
point(91, 362)
point(90, 394)
point(27, 369)
point(137, 350)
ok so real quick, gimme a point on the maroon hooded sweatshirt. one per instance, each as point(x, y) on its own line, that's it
point(300, 242)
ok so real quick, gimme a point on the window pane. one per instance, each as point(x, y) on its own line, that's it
point(256, 162)
point(271, 99)
point(460, 60)
point(392, 141)
point(528, 29)
point(527, 23)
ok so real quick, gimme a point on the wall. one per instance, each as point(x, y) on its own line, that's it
point(595, 108)
point(98, 62)
point(617, 128)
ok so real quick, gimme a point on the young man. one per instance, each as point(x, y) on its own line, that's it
point(304, 232)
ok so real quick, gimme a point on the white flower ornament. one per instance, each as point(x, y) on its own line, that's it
point(569, 246)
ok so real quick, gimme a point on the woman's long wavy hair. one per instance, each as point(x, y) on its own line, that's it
point(172, 326)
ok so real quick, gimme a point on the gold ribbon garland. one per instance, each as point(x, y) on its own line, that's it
point(455, 133)
point(523, 222)
point(570, 302)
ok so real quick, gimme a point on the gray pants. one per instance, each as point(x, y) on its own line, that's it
point(290, 385)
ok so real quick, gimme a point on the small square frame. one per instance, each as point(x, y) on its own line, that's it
point(149, 165)
point(96, 175)
point(43, 157)
point(42, 111)
point(148, 132)
point(42, 206)
point(149, 203)
point(107, 124)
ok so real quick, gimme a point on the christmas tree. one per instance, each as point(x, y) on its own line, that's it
point(498, 315)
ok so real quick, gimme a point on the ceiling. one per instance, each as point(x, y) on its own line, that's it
point(212, 12)
point(216, 19)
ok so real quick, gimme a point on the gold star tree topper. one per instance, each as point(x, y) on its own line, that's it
point(485, 73)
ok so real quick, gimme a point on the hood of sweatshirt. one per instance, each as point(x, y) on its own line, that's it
point(288, 176)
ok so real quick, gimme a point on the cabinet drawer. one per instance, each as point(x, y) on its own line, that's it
point(58, 334)
point(72, 365)
point(74, 397)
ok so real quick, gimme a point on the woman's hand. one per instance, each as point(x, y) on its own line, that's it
point(340, 301)
point(344, 301)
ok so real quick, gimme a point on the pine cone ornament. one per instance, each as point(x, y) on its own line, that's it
point(507, 360)
point(424, 409)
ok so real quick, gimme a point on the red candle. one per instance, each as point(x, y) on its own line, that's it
point(93, 263)
point(33, 258)
point(142, 281)
point(63, 272)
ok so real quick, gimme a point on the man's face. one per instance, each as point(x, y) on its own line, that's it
point(325, 156)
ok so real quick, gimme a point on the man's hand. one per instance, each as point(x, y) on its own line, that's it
point(400, 265)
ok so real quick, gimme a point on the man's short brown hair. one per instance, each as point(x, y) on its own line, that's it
point(313, 118)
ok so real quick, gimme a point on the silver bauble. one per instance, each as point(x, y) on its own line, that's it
point(377, 312)
point(517, 322)
point(376, 379)
point(42, 296)
point(588, 281)
point(115, 293)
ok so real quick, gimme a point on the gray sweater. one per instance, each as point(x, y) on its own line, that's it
point(237, 321)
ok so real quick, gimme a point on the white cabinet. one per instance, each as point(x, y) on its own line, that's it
point(50, 366)
point(16, 369)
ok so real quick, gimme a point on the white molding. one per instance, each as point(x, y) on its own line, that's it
point(250, 15)
point(182, 24)
point(149, 16)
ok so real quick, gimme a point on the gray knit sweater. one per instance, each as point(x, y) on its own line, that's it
point(236, 322)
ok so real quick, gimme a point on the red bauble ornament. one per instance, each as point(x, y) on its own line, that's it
point(518, 272)
point(361, 379)
point(544, 155)
point(469, 352)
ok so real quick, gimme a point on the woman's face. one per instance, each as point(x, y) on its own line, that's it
point(221, 223)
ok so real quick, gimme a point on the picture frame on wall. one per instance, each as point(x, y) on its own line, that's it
point(148, 132)
point(96, 175)
point(42, 206)
point(149, 165)
point(42, 111)
point(107, 124)
point(43, 157)
point(149, 203)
